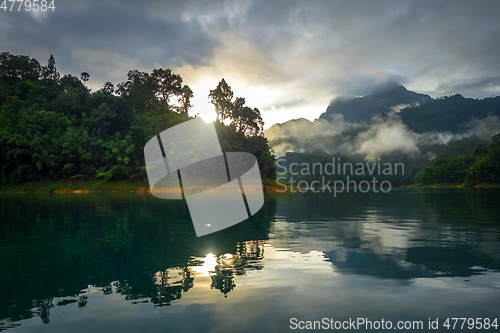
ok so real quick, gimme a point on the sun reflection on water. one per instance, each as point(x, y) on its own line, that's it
point(207, 267)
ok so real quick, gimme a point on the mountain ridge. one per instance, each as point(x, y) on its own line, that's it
point(344, 110)
point(383, 100)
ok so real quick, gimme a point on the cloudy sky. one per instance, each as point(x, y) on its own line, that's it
point(287, 58)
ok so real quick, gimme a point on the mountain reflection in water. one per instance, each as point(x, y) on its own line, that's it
point(68, 251)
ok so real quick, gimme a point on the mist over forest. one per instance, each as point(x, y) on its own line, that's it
point(392, 124)
point(395, 121)
point(54, 127)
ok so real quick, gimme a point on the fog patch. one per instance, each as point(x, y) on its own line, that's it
point(386, 137)
point(484, 128)
point(399, 107)
point(305, 129)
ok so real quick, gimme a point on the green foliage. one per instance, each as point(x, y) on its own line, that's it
point(55, 128)
point(16, 69)
point(446, 170)
point(481, 165)
point(166, 85)
point(258, 145)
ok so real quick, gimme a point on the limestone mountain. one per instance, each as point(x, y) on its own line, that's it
point(383, 100)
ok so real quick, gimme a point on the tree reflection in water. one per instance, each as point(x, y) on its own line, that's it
point(42, 309)
point(117, 244)
point(168, 285)
point(246, 258)
point(79, 246)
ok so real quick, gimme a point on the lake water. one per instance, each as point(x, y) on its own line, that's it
point(128, 262)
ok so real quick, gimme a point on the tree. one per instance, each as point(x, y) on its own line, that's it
point(108, 87)
point(69, 82)
point(100, 135)
point(187, 95)
point(496, 138)
point(18, 68)
point(221, 97)
point(238, 105)
point(168, 84)
point(247, 120)
point(50, 72)
point(223, 280)
point(85, 77)
point(103, 117)
point(138, 90)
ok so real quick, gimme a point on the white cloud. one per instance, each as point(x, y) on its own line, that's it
point(388, 136)
point(250, 72)
point(274, 52)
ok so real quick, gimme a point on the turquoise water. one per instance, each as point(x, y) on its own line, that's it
point(129, 262)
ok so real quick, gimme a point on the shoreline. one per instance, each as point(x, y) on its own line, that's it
point(97, 186)
point(79, 186)
point(455, 185)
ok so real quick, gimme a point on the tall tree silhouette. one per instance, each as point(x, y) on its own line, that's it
point(108, 87)
point(221, 97)
point(50, 72)
point(187, 95)
point(168, 84)
point(85, 77)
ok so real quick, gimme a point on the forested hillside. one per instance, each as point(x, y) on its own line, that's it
point(449, 113)
point(482, 165)
point(54, 127)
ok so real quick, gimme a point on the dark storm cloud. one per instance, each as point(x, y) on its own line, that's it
point(418, 40)
point(151, 35)
point(298, 50)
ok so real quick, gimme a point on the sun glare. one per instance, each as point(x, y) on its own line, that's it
point(208, 266)
point(261, 97)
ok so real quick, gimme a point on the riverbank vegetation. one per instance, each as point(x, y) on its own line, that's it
point(55, 129)
point(56, 134)
point(482, 165)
